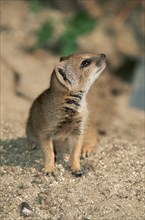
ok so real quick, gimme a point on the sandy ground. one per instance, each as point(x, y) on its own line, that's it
point(112, 186)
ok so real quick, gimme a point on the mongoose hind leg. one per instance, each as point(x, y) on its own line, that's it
point(90, 141)
point(61, 149)
point(32, 144)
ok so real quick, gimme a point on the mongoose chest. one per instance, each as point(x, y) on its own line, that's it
point(71, 115)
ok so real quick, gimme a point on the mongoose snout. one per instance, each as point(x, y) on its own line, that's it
point(59, 116)
point(101, 60)
point(103, 56)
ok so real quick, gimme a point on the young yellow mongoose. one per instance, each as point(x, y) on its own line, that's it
point(59, 115)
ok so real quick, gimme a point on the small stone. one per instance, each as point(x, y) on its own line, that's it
point(25, 209)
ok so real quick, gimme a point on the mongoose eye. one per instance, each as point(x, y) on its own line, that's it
point(86, 63)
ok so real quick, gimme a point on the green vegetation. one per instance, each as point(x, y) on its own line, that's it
point(35, 5)
point(79, 24)
point(44, 34)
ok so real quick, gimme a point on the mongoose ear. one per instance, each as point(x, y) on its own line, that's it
point(64, 58)
point(61, 75)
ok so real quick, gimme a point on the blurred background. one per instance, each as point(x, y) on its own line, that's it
point(35, 33)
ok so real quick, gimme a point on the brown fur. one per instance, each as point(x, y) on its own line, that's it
point(60, 113)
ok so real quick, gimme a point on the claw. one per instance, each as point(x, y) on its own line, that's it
point(87, 151)
point(77, 173)
point(49, 174)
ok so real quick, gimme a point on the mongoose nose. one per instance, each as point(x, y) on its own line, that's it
point(103, 56)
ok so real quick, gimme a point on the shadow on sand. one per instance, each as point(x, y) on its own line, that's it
point(15, 152)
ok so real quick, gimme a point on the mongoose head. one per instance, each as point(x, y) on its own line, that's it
point(78, 71)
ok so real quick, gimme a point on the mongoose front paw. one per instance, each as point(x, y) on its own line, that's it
point(76, 169)
point(49, 174)
point(48, 170)
point(87, 151)
point(77, 173)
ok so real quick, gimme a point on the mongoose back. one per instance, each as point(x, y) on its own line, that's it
point(59, 115)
